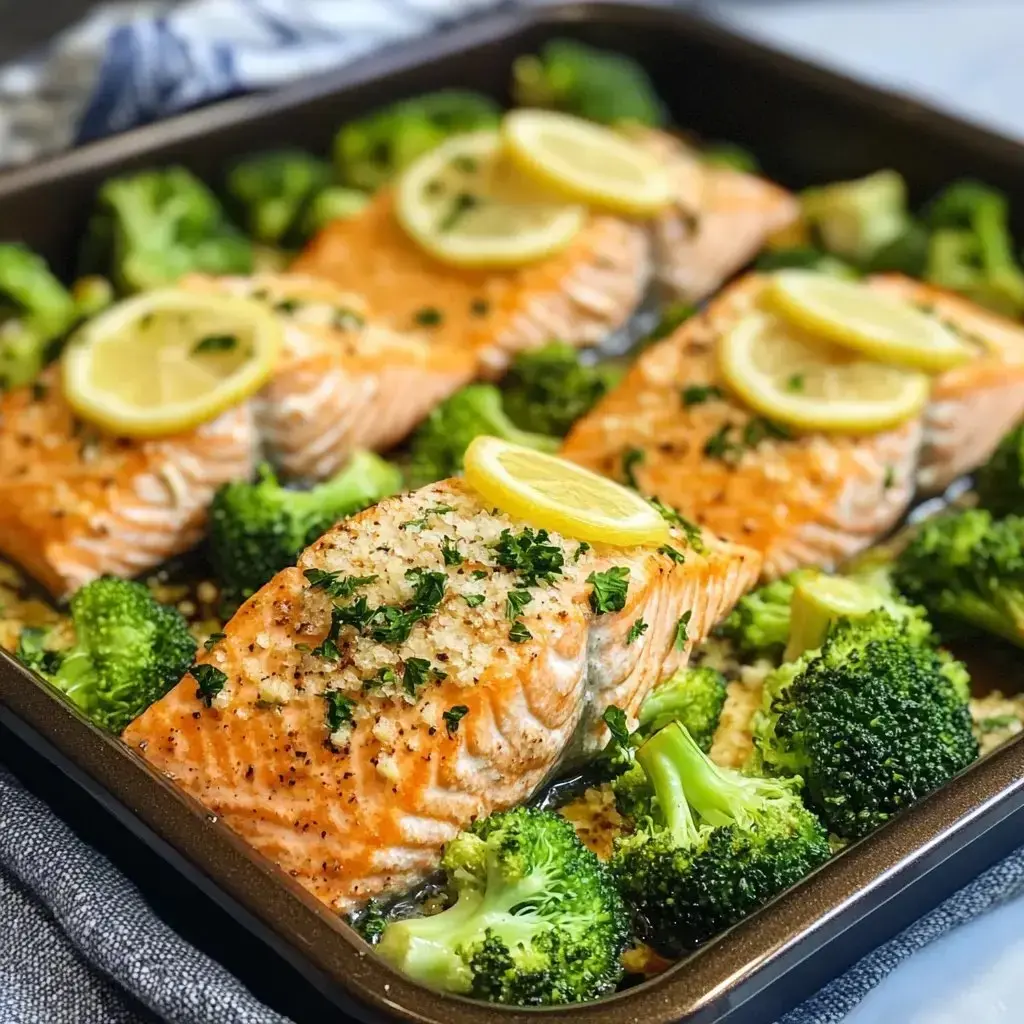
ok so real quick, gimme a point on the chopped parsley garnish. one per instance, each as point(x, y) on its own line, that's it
point(339, 709)
point(692, 531)
point(671, 318)
point(421, 524)
point(583, 548)
point(327, 649)
point(383, 677)
point(334, 584)
point(466, 164)
point(347, 319)
point(636, 631)
point(417, 673)
point(453, 716)
point(479, 574)
point(213, 639)
point(515, 602)
point(718, 445)
point(724, 444)
point(674, 553)
point(357, 614)
point(479, 307)
point(39, 390)
point(615, 718)
point(997, 722)
point(610, 588)
point(215, 343)
point(796, 382)
point(890, 478)
point(413, 524)
point(474, 600)
point(697, 394)
point(631, 458)
point(682, 630)
point(287, 305)
point(450, 552)
point(760, 429)
point(461, 204)
point(439, 510)
point(531, 555)
point(211, 681)
point(428, 316)
point(519, 633)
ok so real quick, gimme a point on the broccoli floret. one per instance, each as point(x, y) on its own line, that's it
point(905, 254)
point(1000, 482)
point(272, 190)
point(151, 228)
point(579, 79)
point(854, 219)
point(437, 447)
point(257, 529)
point(967, 569)
point(713, 846)
point(759, 624)
point(548, 389)
point(371, 150)
point(872, 722)
point(731, 156)
point(694, 697)
point(35, 310)
point(537, 920)
point(805, 257)
point(128, 651)
point(334, 203)
point(971, 249)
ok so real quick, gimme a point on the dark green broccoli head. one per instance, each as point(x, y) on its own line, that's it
point(257, 529)
point(548, 389)
point(694, 697)
point(537, 920)
point(35, 310)
point(873, 721)
point(370, 151)
point(151, 228)
point(129, 650)
point(273, 189)
point(1000, 482)
point(710, 845)
point(759, 624)
point(439, 444)
point(967, 569)
point(579, 79)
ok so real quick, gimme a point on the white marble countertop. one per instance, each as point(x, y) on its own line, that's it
point(968, 57)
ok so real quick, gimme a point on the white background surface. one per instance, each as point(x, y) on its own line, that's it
point(966, 56)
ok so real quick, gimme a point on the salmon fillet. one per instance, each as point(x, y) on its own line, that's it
point(357, 808)
point(812, 499)
point(577, 296)
point(720, 220)
point(974, 405)
point(345, 380)
point(78, 504)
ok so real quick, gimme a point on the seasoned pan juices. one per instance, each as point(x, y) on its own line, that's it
point(444, 551)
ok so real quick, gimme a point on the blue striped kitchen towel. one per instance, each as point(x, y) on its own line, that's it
point(78, 944)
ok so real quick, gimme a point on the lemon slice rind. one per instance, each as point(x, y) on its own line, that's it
point(586, 162)
point(186, 389)
point(557, 495)
point(881, 326)
point(801, 381)
point(534, 227)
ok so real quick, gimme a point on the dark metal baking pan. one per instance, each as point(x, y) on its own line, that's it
point(806, 125)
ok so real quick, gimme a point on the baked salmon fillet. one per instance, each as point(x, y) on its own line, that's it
point(78, 504)
point(345, 380)
point(719, 221)
point(429, 661)
point(974, 405)
point(811, 499)
point(578, 296)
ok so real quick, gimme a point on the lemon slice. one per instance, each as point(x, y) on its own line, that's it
point(586, 162)
point(558, 495)
point(461, 203)
point(881, 326)
point(800, 380)
point(169, 360)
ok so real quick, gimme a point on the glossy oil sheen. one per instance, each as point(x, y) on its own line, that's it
point(806, 125)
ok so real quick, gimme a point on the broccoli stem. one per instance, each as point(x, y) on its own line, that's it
point(819, 601)
point(663, 758)
point(1005, 619)
point(360, 483)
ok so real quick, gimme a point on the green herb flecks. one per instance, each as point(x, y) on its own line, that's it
point(531, 555)
point(636, 631)
point(215, 343)
point(519, 634)
point(211, 681)
point(336, 584)
point(631, 458)
point(698, 394)
point(453, 716)
point(682, 630)
point(339, 709)
point(609, 589)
